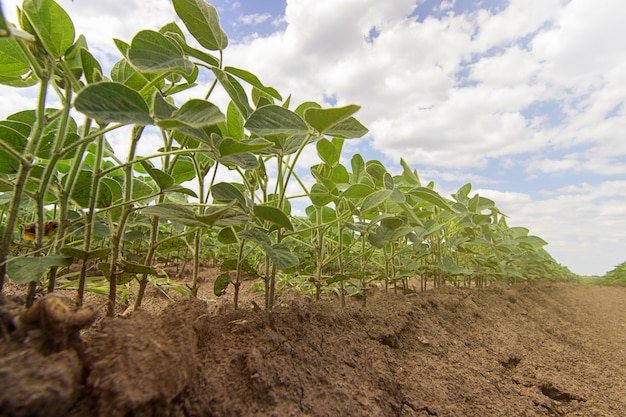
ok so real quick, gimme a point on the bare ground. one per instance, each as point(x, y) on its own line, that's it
point(522, 350)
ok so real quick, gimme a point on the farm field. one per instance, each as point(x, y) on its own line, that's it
point(217, 276)
point(523, 350)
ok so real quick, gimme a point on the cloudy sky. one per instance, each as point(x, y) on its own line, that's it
point(522, 98)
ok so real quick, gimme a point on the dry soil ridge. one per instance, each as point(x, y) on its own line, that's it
point(523, 350)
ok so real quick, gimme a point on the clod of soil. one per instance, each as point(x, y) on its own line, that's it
point(524, 350)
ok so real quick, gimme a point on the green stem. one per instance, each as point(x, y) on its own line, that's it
point(21, 178)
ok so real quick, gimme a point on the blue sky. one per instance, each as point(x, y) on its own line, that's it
point(522, 98)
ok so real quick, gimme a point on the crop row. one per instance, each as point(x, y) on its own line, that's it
point(128, 217)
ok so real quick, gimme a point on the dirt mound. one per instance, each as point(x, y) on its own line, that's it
point(521, 350)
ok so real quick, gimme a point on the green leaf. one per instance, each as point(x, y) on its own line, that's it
point(221, 284)
point(226, 192)
point(375, 199)
point(14, 67)
point(183, 170)
point(29, 269)
point(52, 25)
point(223, 216)
point(281, 256)
point(194, 113)
point(234, 122)
point(162, 179)
point(13, 134)
point(349, 128)
point(91, 67)
point(196, 53)
point(233, 147)
point(327, 151)
point(255, 236)
point(202, 21)
point(320, 195)
point(174, 213)
point(113, 102)
point(358, 191)
point(430, 196)
point(323, 119)
point(273, 119)
point(151, 51)
point(253, 80)
point(227, 236)
point(133, 268)
point(235, 91)
point(79, 254)
point(273, 215)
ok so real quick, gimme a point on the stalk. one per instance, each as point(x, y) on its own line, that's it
point(116, 237)
point(22, 177)
point(89, 218)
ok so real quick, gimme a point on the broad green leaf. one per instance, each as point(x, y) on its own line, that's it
point(13, 134)
point(134, 268)
point(124, 73)
point(223, 216)
point(183, 170)
point(253, 80)
point(29, 269)
point(273, 215)
point(320, 195)
point(227, 236)
point(221, 284)
point(91, 67)
point(323, 119)
point(430, 196)
point(79, 254)
point(272, 120)
point(375, 199)
point(161, 108)
point(233, 147)
point(196, 53)
point(328, 152)
point(302, 108)
point(358, 191)
point(113, 102)
point(349, 128)
point(235, 91)
point(408, 175)
point(162, 179)
point(151, 51)
point(234, 122)
point(14, 67)
point(202, 21)
point(82, 188)
point(255, 236)
point(281, 256)
point(182, 190)
point(52, 25)
point(141, 189)
point(194, 113)
point(226, 192)
point(174, 213)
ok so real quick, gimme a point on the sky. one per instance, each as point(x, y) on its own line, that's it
point(522, 98)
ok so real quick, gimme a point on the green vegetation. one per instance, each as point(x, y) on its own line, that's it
point(615, 277)
point(121, 220)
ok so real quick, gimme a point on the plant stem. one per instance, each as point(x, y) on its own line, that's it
point(21, 178)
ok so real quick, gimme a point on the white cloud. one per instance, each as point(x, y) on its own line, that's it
point(585, 226)
point(254, 19)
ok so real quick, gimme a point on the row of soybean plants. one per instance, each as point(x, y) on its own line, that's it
point(60, 176)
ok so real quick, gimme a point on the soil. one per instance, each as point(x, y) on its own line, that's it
point(520, 350)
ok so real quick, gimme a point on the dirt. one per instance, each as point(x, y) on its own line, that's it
point(521, 350)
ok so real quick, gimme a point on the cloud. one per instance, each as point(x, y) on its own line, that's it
point(253, 19)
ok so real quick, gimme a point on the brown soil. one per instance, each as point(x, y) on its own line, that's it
point(523, 350)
